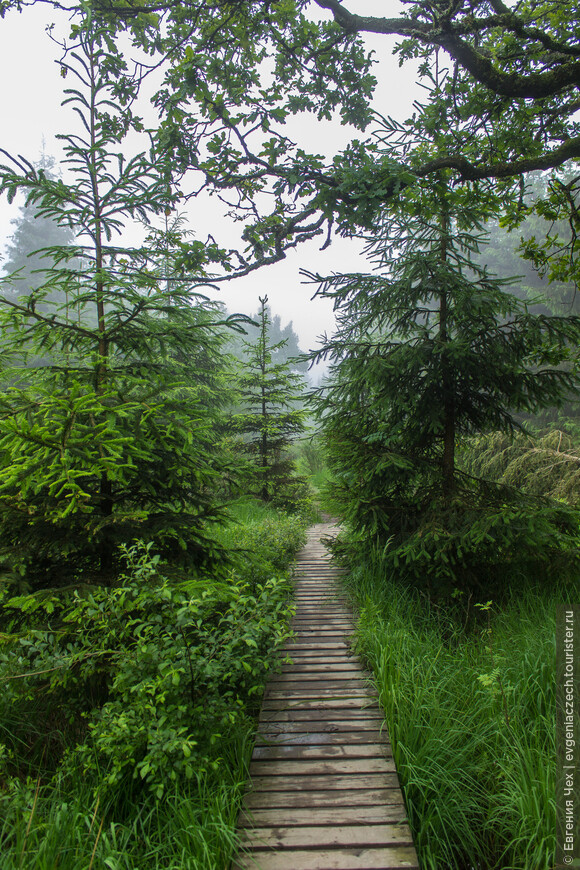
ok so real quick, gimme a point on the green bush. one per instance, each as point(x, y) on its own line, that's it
point(127, 715)
point(159, 671)
point(261, 541)
point(485, 541)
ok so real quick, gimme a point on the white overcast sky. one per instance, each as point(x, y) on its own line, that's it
point(30, 113)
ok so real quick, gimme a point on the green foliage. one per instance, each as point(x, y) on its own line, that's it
point(261, 541)
point(543, 465)
point(471, 718)
point(168, 666)
point(193, 828)
point(311, 455)
point(513, 239)
point(270, 418)
point(113, 375)
point(126, 720)
point(431, 350)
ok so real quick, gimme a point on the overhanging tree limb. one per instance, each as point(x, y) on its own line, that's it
point(444, 33)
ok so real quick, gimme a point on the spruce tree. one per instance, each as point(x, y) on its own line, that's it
point(269, 393)
point(112, 381)
point(431, 349)
point(27, 258)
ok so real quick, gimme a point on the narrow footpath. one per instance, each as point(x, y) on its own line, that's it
point(324, 791)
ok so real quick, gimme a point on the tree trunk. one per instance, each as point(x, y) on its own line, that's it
point(447, 374)
point(264, 446)
point(105, 546)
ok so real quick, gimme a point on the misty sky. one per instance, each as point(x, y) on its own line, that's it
point(31, 113)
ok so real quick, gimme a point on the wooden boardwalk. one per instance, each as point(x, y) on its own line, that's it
point(324, 791)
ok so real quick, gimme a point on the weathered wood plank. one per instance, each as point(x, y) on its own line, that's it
point(342, 684)
point(366, 797)
point(284, 767)
point(307, 649)
point(298, 816)
point(329, 675)
point(305, 734)
point(339, 749)
point(325, 782)
point(312, 699)
point(393, 858)
point(321, 714)
point(343, 836)
point(302, 625)
point(334, 670)
point(324, 645)
point(332, 674)
point(359, 702)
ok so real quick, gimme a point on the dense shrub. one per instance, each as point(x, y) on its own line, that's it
point(157, 669)
point(127, 714)
point(261, 541)
point(485, 541)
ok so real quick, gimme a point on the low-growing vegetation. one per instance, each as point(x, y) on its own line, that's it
point(471, 718)
point(127, 712)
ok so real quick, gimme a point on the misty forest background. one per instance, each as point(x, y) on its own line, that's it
point(161, 456)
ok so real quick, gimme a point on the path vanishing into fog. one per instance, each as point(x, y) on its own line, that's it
point(324, 791)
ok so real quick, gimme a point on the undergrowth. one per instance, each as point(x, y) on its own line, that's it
point(127, 713)
point(471, 717)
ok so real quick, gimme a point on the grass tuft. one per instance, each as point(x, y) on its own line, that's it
point(471, 718)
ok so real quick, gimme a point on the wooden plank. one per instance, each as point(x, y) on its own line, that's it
point(298, 816)
point(304, 652)
point(322, 626)
point(319, 640)
point(324, 635)
point(330, 674)
point(321, 750)
point(282, 768)
point(303, 734)
point(324, 630)
point(294, 733)
point(319, 688)
point(333, 695)
point(325, 782)
point(334, 669)
point(311, 604)
point(304, 659)
point(381, 858)
point(331, 703)
point(330, 836)
point(370, 797)
point(316, 610)
point(318, 682)
point(312, 716)
point(320, 621)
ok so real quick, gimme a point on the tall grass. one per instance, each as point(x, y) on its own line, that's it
point(472, 723)
point(63, 826)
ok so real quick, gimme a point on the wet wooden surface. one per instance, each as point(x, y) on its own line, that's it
point(324, 791)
